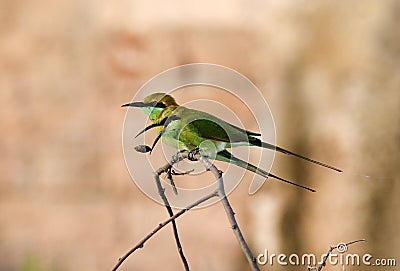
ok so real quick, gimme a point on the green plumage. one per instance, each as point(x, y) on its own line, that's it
point(188, 129)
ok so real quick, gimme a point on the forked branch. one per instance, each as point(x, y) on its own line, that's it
point(160, 226)
point(220, 192)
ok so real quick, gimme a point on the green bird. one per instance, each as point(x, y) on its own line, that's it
point(193, 130)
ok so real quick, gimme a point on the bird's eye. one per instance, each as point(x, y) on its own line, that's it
point(158, 104)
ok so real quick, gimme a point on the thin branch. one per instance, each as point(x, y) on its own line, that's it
point(220, 192)
point(162, 225)
point(171, 172)
point(161, 191)
point(230, 213)
point(174, 227)
point(331, 249)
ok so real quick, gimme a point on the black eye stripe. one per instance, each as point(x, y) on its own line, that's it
point(158, 104)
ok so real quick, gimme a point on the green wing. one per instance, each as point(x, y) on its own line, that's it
point(213, 128)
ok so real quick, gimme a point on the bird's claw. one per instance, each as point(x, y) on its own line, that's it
point(193, 153)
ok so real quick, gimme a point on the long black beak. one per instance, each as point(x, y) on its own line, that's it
point(142, 104)
point(135, 104)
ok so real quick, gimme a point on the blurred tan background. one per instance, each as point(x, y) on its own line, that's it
point(330, 71)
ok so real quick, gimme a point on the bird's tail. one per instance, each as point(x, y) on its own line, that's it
point(259, 143)
point(226, 156)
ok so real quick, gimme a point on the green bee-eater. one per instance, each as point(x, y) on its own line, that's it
point(188, 129)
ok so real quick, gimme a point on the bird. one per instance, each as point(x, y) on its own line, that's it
point(193, 130)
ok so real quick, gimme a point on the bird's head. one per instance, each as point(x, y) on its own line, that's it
point(155, 104)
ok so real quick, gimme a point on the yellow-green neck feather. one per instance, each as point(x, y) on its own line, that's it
point(157, 114)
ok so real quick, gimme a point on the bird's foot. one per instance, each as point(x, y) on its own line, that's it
point(193, 153)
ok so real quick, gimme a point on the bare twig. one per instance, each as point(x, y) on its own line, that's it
point(174, 227)
point(161, 225)
point(166, 169)
point(230, 213)
point(220, 192)
point(331, 249)
point(171, 172)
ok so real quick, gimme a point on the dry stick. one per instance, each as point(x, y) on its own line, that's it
point(162, 225)
point(174, 227)
point(220, 192)
point(230, 213)
point(161, 191)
